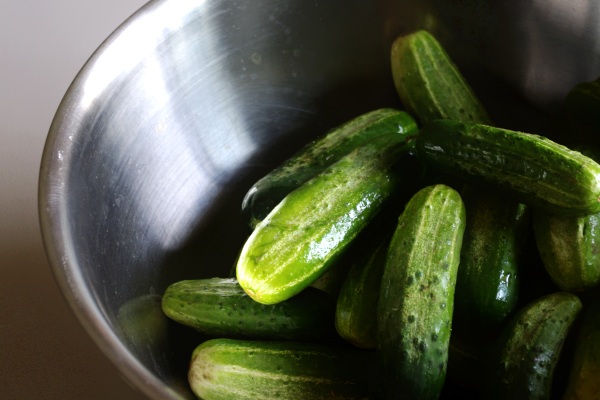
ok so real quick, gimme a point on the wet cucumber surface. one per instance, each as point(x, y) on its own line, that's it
point(309, 212)
point(570, 245)
point(417, 294)
point(525, 355)
point(220, 307)
point(432, 87)
point(226, 369)
point(319, 154)
point(300, 239)
point(533, 169)
point(584, 369)
point(494, 244)
point(428, 82)
point(355, 319)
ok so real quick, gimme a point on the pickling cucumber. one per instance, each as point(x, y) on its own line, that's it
point(569, 249)
point(582, 379)
point(301, 238)
point(226, 369)
point(523, 359)
point(219, 307)
point(570, 246)
point(488, 281)
point(417, 294)
point(355, 319)
point(319, 154)
point(432, 87)
point(429, 83)
point(487, 286)
point(530, 168)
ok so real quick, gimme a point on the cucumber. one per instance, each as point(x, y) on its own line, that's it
point(494, 242)
point(414, 316)
point(488, 281)
point(525, 355)
point(319, 154)
point(226, 369)
point(378, 231)
point(582, 380)
point(305, 234)
point(429, 83)
point(220, 307)
point(355, 316)
point(533, 169)
point(570, 246)
point(569, 249)
point(431, 87)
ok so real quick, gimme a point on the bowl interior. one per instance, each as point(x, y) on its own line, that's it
point(189, 102)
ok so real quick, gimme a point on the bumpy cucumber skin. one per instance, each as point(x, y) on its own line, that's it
point(570, 249)
point(355, 318)
point(219, 307)
point(302, 237)
point(488, 282)
point(531, 168)
point(523, 360)
point(570, 246)
point(432, 87)
point(494, 242)
point(225, 369)
point(417, 294)
point(316, 156)
point(430, 84)
point(582, 381)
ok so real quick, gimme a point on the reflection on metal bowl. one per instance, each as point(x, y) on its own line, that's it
point(190, 101)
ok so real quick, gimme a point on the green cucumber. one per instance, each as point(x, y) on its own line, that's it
point(226, 369)
point(305, 234)
point(431, 87)
point(417, 294)
point(488, 281)
point(372, 236)
point(570, 246)
point(220, 307)
point(582, 380)
point(524, 357)
point(494, 243)
point(355, 316)
point(570, 249)
point(319, 154)
point(429, 83)
point(531, 168)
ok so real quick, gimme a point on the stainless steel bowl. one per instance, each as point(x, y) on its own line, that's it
point(190, 101)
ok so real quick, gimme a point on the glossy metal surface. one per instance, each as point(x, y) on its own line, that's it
point(189, 102)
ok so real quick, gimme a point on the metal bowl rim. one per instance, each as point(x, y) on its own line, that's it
point(55, 232)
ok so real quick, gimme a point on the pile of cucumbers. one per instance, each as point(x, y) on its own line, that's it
point(411, 254)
